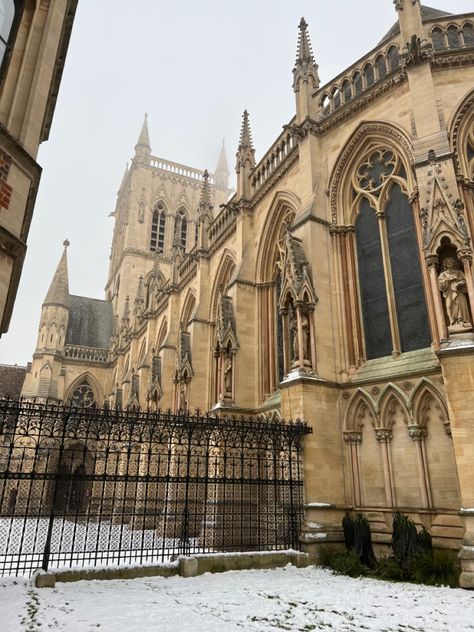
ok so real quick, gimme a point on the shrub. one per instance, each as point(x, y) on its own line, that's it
point(425, 541)
point(435, 568)
point(348, 528)
point(388, 569)
point(346, 563)
point(363, 541)
point(404, 539)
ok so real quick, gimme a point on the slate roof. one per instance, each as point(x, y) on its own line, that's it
point(428, 14)
point(12, 377)
point(90, 322)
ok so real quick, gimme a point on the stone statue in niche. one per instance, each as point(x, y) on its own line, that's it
point(228, 376)
point(305, 331)
point(293, 331)
point(452, 284)
point(183, 400)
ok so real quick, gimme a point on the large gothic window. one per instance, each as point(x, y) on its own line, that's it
point(393, 307)
point(470, 153)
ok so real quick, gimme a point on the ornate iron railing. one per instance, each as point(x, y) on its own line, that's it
point(90, 487)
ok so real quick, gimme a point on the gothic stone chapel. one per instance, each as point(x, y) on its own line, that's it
point(335, 285)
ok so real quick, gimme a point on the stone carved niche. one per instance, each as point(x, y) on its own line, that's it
point(184, 370)
point(297, 302)
point(225, 350)
point(155, 390)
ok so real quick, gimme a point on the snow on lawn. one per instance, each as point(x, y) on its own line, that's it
point(284, 599)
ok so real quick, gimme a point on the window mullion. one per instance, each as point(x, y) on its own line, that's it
point(392, 308)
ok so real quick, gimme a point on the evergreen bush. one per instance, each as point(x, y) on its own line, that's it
point(405, 541)
point(435, 568)
point(347, 563)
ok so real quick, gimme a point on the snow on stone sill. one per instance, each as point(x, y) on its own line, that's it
point(112, 567)
point(318, 505)
point(313, 537)
point(246, 553)
point(313, 525)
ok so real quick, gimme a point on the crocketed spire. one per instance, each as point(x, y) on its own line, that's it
point(306, 68)
point(139, 301)
point(221, 175)
point(246, 151)
point(143, 147)
point(58, 293)
point(205, 201)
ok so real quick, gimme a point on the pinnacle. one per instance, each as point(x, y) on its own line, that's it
point(58, 293)
point(304, 52)
point(144, 138)
point(305, 66)
point(205, 200)
point(222, 166)
point(245, 133)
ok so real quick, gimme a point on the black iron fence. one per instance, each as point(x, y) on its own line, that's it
point(91, 487)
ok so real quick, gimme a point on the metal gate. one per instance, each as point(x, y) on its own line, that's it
point(92, 487)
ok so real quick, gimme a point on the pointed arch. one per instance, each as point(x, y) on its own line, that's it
point(462, 136)
point(283, 208)
point(189, 307)
point(367, 134)
point(225, 273)
point(141, 354)
point(359, 405)
point(77, 390)
point(423, 390)
point(390, 398)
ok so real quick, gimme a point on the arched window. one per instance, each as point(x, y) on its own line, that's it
point(9, 13)
point(181, 227)
point(437, 37)
point(336, 98)
point(347, 91)
point(398, 322)
point(158, 226)
point(381, 67)
point(468, 34)
point(453, 37)
point(369, 75)
point(393, 58)
point(357, 81)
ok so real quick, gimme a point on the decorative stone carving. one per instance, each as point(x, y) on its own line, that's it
point(155, 390)
point(417, 433)
point(416, 51)
point(353, 437)
point(384, 435)
point(452, 284)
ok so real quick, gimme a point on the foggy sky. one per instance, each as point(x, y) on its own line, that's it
point(194, 66)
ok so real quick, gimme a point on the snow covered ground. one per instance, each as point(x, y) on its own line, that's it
point(284, 599)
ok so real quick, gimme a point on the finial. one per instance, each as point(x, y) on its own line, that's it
point(245, 133)
point(305, 66)
point(66, 243)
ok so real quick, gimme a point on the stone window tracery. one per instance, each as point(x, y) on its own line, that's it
point(470, 153)
point(83, 395)
point(158, 225)
point(390, 283)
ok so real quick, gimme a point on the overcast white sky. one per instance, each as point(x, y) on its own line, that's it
point(194, 66)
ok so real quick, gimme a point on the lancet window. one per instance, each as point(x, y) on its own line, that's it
point(470, 153)
point(391, 292)
point(158, 226)
point(181, 227)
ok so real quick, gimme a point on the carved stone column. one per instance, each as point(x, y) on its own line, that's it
point(354, 439)
point(418, 434)
point(286, 341)
point(384, 437)
point(465, 256)
point(432, 261)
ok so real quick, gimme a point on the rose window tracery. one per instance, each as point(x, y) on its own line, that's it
point(83, 396)
point(376, 169)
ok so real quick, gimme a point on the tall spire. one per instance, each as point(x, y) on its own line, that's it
point(306, 68)
point(221, 175)
point(143, 147)
point(58, 293)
